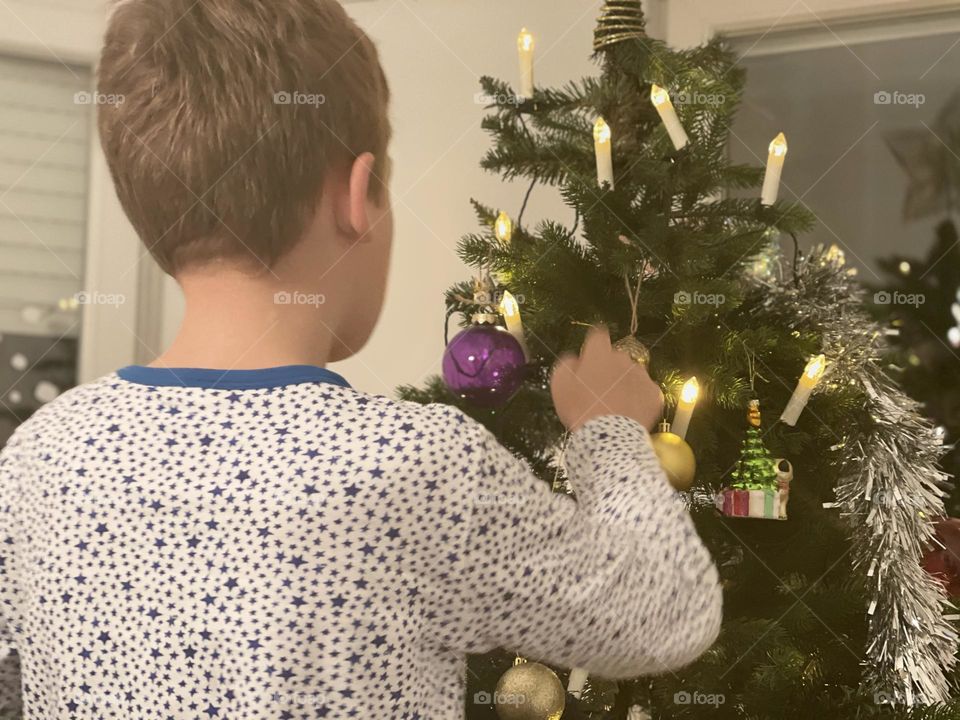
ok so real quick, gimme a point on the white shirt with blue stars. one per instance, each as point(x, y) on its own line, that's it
point(198, 544)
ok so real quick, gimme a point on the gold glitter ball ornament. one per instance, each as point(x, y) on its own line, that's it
point(637, 351)
point(530, 691)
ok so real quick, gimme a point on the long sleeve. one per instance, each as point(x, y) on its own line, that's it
point(617, 582)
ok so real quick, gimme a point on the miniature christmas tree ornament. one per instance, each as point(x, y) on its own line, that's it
point(759, 484)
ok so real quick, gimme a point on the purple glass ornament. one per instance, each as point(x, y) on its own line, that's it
point(485, 365)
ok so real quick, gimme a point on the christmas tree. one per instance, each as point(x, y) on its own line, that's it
point(756, 468)
point(676, 250)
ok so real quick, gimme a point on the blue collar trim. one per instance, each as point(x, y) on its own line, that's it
point(230, 379)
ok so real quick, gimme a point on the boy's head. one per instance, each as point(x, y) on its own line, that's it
point(251, 132)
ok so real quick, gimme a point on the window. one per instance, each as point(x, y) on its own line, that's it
point(842, 109)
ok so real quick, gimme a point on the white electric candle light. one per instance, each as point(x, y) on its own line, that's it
point(504, 228)
point(775, 160)
point(578, 678)
point(603, 144)
point(525, 44)
point(661, 101)
point(688, 401)
point(808, 381)
point(510, 309)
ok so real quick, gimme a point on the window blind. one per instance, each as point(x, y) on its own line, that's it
point(45, 114)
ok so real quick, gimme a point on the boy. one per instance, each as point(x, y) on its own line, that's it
point(233, 531)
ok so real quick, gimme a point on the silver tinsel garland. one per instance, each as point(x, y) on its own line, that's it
point(888, 490)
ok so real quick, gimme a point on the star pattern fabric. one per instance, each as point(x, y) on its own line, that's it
point(305, 550)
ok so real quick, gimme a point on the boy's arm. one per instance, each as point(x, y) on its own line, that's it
point(617, 583)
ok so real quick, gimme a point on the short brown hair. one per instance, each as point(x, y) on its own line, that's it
point(228, 116)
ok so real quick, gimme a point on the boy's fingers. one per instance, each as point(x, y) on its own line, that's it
point(597, 345)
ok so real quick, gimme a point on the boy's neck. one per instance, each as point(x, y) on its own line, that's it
point(237, 322)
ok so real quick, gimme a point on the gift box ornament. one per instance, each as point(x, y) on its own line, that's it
point(760, 504)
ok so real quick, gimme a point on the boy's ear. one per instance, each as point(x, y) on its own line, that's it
point(352, 208)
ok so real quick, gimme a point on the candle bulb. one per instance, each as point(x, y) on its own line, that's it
point(661, 101)
point(510, 309)
point(576, 682)
point(504, 228)
point(775, 160)
point(688, 401)
point(603, 144)
point(525, 44)
point(808, 381)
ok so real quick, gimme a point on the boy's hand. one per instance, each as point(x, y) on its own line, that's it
point(603, 381)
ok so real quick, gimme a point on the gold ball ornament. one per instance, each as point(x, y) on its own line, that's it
point(676, 457)
point(637, 351)
point(530, 691)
